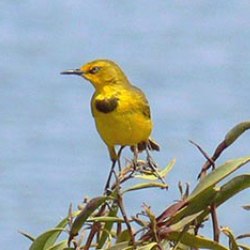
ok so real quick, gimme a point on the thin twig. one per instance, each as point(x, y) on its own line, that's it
point(124, 175)
point(210, 160)
point(220, 148)
point(204, 153)
point(95, 227)
point(70, 216)
point(215, 222)
point(154, 167)
point(121, 206)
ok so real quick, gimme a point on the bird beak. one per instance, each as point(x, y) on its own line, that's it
point(78, 72)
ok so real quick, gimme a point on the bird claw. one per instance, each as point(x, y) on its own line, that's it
point(107, 191)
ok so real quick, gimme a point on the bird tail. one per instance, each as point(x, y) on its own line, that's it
point(150, 144)
point(153, 145)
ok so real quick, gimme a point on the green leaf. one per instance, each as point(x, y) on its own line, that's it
point(105, 219)
point(148, 246)
point(120, 246)
point(246, 207)
point(195, 241)
point(146, 185)
point(232, 241)
point(49, 237)
point(185, 221)
point(165, 244)
point(123, 236)
point(242, 236)
point(27, 235)
point(160, 173)
point(232, 187)
point(43, 241)
point(164, 172)
point(108, 226)
point(236, 131)
point(228, 190)
point(59, 246)
point(243, 246)
point(199, 203)
point(51, 241)
point(217, 175)
point(89, 208)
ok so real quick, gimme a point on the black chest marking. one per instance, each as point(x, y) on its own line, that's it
point(107, 105)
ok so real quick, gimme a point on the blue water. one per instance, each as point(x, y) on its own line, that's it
point(192, 58)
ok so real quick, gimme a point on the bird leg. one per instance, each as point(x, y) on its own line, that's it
point(109, 176)
point(119, 156)
point(112, 169)
point(150, 158)
point(135, 157)
point(153, 165)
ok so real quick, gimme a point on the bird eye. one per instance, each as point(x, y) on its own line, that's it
point(94, 70)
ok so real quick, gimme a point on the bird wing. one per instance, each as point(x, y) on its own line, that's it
point(140, 101)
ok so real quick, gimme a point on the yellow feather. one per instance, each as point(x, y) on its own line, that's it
point(121, 111)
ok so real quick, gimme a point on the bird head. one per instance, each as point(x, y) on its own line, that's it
point(100, 73)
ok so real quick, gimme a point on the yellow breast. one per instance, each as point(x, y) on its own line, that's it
point(126, 120)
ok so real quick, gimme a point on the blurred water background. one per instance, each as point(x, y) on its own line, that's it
point(190, 57)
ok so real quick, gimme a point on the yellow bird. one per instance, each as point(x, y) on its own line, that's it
point(121, 110)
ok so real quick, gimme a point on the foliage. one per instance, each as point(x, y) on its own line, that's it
point(102, 222)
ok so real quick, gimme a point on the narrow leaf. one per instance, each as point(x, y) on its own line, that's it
point(89, 208)
point(197, 204)
point(185, 221)
point(119, 246)
point(108, 226)
point(51, 241)
point(242, 236)
point(160, 173)
point(59, 246)
point(218, 174)
point(105, 219)
point(232, 187)
point(232, 241)
point(27, 235)
point(246, 207)
point(41, 242)
point(123, 236)
point(228, 190)
point(146, 185)
point(148, 246)
point(195, 241)
point(243, 246)
point(236, 131)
